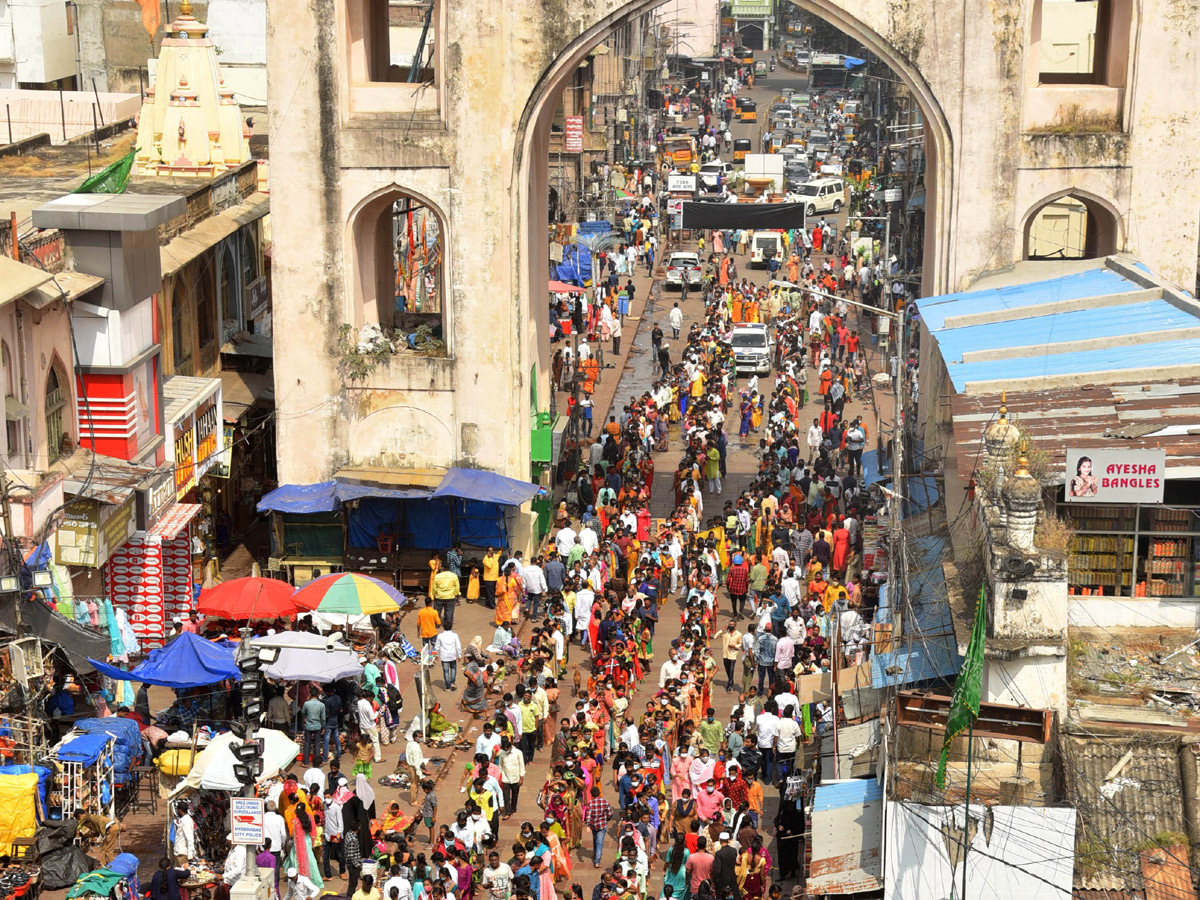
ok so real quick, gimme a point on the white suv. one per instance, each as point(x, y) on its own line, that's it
point(752, 348)
point(684, 265)
point(822, 195)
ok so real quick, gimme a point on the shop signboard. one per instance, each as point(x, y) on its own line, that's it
point(154, 495)
point(90, 529)
point(207, 436)
point(246, 819)
point(683, 184)
point(224, 463)
point(1115, 476)
point(573, 134)
point(185, 456)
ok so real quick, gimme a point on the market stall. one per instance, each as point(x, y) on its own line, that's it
point(22, 802)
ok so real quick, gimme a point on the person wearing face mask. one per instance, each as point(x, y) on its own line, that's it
point(709, 800)
point(701, 770)
point(712, 732)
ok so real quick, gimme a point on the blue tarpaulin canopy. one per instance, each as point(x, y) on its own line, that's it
point(188, 661)
point(476, 484)
point(326, 495)
point(853, 61)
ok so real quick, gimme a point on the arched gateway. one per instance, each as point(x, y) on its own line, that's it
point(469, 135)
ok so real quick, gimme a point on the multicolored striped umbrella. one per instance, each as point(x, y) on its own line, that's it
point(348, 594)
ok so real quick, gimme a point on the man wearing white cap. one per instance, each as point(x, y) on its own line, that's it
point(299, 887)
point(724, 869)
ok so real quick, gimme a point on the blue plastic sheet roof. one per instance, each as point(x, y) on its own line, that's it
point(477, 484)
point(1092, 283)
point(326, 496)
point(927, 651)
point(187, 661)
point(840, 794)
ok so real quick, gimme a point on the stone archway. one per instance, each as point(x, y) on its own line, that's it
point(531, 170)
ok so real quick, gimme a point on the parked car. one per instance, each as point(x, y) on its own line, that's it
point(684, 265)
point(764, 246)
point(711, 173)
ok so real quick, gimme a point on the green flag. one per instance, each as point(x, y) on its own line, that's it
point(112, 179)
point(964, 705)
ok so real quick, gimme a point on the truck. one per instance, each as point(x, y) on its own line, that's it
point(766, 165)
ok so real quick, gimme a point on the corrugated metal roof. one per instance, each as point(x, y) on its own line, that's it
point(1084, 417)
point(928, 651)
point(1141, 799)
point(1157, 355)
point(847, 838)
point(1166, 874)
point(851, 792)
point(1097, 282)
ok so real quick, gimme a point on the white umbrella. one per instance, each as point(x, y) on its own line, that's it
point(212, 770)
point(311, 662)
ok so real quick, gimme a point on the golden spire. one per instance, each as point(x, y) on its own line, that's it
point(185, 8)
point(1003, 407)
point(1023, 459)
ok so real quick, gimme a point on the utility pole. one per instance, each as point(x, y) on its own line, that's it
point(9, 544)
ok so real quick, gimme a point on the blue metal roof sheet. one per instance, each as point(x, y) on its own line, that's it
point(928, 651)
point(1103, 360)
point(1092, 283)
point(840, 794)
point(1064, 327)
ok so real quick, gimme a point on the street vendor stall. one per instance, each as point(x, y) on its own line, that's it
point(21, 800)
point(86, 775)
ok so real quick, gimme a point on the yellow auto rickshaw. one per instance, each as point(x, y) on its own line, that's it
point(741, 146)
point(747, 110)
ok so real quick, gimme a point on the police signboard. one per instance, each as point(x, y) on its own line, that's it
point(246, 815)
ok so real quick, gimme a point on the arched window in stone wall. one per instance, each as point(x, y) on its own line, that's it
point(399, 254)
point(1071, 226)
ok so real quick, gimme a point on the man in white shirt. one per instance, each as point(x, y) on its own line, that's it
point(814, 440)
point(488, 742)
point(235, 863)
point(785, 740)
point(400, 883)
point(497, 878)
point(317, 777)
point(367, 723)
point(564, 540)
point(299, 887)
point(767, 725)
point(671, 669)
point(584, 598)
point(511, 762)
point(534, 580)
point(449, 650)
point(589, 539)
point(274, 829)
point(790, 585)
point(185, 832)
point(676, 318)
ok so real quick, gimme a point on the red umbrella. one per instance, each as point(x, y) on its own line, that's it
point(248, 598)
point(561, 287)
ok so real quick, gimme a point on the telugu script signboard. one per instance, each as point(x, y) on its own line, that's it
point(1115, 476)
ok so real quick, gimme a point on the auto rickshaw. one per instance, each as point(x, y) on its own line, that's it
point(747, 110)
point(741, 146)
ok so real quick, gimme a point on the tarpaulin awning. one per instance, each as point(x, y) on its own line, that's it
point(558, 287)
point(326, 496)
point(188, 661)
point(176, 519)
point(212, 769)
point(476, 484)
point(301, 498)
point(84, 748)
point(100, 882)
point(310, 663)
point(21, 802)
point(77, 642)
point(759, 216)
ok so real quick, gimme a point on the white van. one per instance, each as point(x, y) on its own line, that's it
point(765, 245)
point(822, 195)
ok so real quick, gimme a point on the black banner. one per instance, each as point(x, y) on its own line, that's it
point(756, 216)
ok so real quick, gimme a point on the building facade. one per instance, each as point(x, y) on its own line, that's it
point(468, 142)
